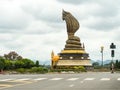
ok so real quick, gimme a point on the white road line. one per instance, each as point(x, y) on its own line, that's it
point(6, 79)
point(105, 79)
point(38, 79)
point(71, 85)
point(81, 82)
point(22, 79)
point(118, 79)
point(56, 79)
point(72, 79)
point(89, 79)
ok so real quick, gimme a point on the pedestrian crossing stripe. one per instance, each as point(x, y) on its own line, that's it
point(105, 79)
point(56, 78)
point(72, 85)
point(6, 79)
point(23, 79)
point(72, 79)
point(118, 79)
point(89, 79)
point(38, 79)
point(5, 85)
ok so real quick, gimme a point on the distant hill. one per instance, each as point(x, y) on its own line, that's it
point(46, 62)
point(104, 62)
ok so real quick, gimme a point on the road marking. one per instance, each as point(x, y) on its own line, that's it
point(6, 79)
point(81, 82)
point(2, 86)
point(89, 79)
point(69, 79)
point(38, 79)
point(22, 79)
point(118, 79)
point(56, 79)
point(72, 85)
point(72, 79)
point(105, 79)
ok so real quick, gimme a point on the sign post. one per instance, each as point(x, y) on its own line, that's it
point(112, 47)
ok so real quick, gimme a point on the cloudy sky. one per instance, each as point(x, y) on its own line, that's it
point(33, 28)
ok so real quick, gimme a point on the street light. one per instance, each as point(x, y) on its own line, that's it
point(102, 48)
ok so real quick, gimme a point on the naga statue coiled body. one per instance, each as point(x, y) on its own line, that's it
point(72, 25)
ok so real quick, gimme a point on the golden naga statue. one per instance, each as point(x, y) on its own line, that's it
point(71, 23)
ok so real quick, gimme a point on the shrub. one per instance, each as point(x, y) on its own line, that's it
point(82, 68)
point(38, 70)
point(21, 70)
point(79, 69)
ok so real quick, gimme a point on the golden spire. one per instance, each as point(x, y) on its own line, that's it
point(52, 54)
point(54, 57)
point(83, 46)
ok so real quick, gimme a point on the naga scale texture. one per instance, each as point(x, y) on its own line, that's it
point(72, 25)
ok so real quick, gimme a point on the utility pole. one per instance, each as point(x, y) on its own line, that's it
point(102, 48)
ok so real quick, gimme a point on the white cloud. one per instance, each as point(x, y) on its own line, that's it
point(12, 17)
point(33, 28)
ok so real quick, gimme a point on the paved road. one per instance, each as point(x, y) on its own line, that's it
point(84, 81)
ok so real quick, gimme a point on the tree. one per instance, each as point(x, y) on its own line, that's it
point(24, 63)
point(2, 64)
point(37, 63)
point(8, 64)
point(12, 56)
point(117, 64)
point(18, 64)
point(96, 65)
point(28, 63)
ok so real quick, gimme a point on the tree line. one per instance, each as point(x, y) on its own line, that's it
point(13, 61)
point(116, 63)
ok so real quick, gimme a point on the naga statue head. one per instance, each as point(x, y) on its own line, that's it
point(71, 23)
point(65, 14)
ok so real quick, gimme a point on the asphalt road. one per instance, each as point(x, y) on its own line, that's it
point(81, 81)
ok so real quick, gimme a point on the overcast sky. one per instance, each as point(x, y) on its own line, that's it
point(33, 28)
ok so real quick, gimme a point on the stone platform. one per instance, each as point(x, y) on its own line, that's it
point(74, 63)
point(73, 55)
point(72, 58)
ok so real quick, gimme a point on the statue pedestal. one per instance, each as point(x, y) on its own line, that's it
point(72, 58)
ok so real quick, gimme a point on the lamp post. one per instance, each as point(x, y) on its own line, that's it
point(112, 47)
point(102, 48)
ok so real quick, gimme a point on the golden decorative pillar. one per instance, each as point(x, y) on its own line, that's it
point(54, 59)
